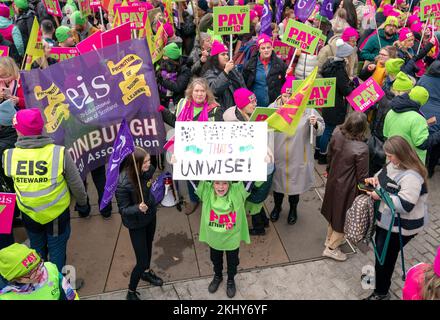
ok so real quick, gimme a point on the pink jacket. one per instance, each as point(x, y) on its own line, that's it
point(412, 289)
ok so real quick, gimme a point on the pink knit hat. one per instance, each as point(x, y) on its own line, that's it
point(253, 14)
point(348, 33)
point(29, 122)
point(4, 10)
point(259, 9)
point(217, 48)
point(168, 29)
point(404, 34)
point(417, 27)
point(262, 39)
point(243, 97)
point(413, 18)
point(436, 264)
point(287, 86)
point(148, 5)
point(400, 1)
point(388, 10)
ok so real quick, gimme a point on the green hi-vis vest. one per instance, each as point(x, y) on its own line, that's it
point(50, 291)
point(42, 191)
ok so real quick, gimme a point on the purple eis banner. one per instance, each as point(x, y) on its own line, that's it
point(84, 99)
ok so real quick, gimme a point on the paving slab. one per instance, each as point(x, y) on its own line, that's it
point(173, 252)
point(308, 232)
point(90, 250)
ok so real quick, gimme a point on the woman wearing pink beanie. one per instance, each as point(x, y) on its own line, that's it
point(223, 77)
point(294, 172)
point(423, 281)
point(245, 103)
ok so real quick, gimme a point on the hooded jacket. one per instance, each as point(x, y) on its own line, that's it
point(405, 120)
point(344, 86)
point(15, 38)
point(71, 175)
point(24, 23)
point(329, 51)
point(372, 47)
point(431, 82)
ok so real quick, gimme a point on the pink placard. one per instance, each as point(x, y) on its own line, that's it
point(121, 33)
point(91, 43)
point(366, 95)
point(7, 206)
point(60, 54)
point(95, 5)
point(53, 7)
point(136, 14)
point(282, 50)
point(4, 51)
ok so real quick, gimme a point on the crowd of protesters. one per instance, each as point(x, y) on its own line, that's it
point(397, 140)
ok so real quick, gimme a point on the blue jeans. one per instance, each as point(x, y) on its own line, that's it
point(325, 138)
point(49, 245)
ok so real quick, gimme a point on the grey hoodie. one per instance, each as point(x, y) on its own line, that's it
point(71, 173)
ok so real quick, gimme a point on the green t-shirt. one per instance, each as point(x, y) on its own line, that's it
point(223, 222)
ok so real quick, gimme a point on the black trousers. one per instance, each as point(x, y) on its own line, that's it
point(98, 177)
point(142, 241)
point(384, 273)
point(232, 261)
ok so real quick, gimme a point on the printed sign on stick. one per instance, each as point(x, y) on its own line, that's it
point(231, 20)
point(53, 7)
point(323, 92)
point(301, 36)
point(227, 151)
point(60, 54)
point(4, 51)
point(7, 206)
point(366, 95)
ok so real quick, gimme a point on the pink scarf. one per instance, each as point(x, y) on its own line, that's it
point(187, 113)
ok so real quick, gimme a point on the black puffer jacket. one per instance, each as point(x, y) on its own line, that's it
point(132, 217)
point(344, 86)
point(274, 79)
point(223, 86)
point(24, 23)
point(8, 137)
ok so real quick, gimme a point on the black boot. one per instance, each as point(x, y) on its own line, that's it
point(322, 159)
point(133, 295)
point(230, 288)
point(293, 201)
point(278, 199)
point(151, 277)
point(258, 225)
point(213, 286)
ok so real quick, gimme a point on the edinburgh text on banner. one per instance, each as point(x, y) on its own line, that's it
point(84, 99)
point(227, 151)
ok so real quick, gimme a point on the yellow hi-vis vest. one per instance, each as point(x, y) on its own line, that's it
point(50, 291)
point(41, 188)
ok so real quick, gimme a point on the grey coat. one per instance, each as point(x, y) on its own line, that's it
point(294, 161)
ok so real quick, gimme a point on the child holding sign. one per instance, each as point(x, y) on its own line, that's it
point(223, 226)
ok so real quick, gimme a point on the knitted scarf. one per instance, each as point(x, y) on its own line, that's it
point(187, 113)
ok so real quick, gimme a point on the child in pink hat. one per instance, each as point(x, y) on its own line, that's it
point(423, 281)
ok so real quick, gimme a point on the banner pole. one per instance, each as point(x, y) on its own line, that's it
point(137, 176)
point(57, 21)
point(311, 134)
point(407, 14)
point(423, 34)
point(230, 47)
point(102, 17)
point(293, 58)
point(196, 16)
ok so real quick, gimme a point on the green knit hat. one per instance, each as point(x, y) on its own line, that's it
point(321, 18)
point(391, 20)
point(21, 4)
point(77, 18)
point(402, 82)
point(393, 66)
point(172, 51)
point(17, 260)
point(419, 95)
point(62, 33)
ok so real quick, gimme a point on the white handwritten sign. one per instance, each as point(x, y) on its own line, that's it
point(227, 151)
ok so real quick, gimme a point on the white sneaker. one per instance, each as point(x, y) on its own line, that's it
point(327, 242)
point(335, 254)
